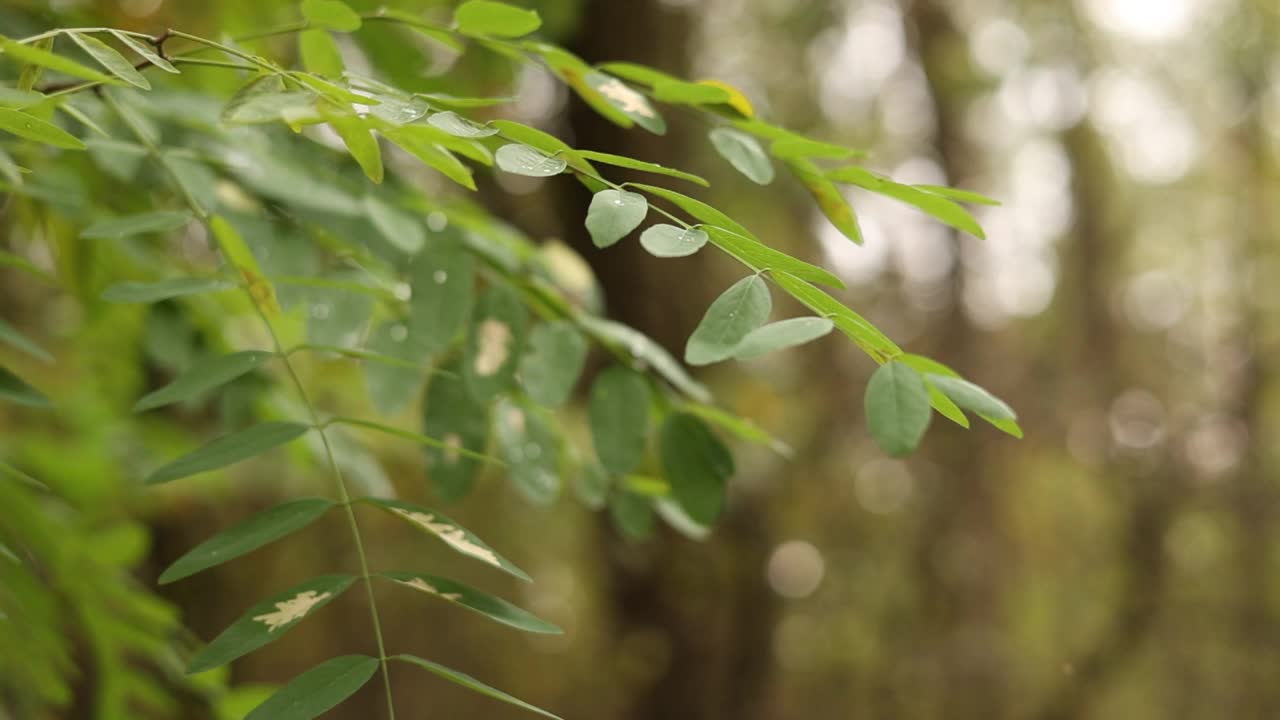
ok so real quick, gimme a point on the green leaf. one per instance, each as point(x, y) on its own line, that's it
point(496, 19)
point(633, 164)
point(801, 147)
point(857, 328)
point(454, 535)
point(759, 257)
point(462, 421)
point(317, 690)
point(669, 241)
point(441, 279)
point(360, 142)
point(240, 257)
point(10, 336)
point(147, 52)
point(645, 350)
point(269, 620)
point(163, 290)
point(642, 74)
point(13, 389)
point(114, 62)
point(697, 209)
point(937, 206)
point(897, 407)
point(331, 14)
point(552, 362)
point(619, 411)
point(592, 485)
point(696, 464)
point(781, 335)
point(543, 141)
point(250, 108)
point(742, 308)
point(528, 443)
point(689, 93)
point(320, 54)
point(521, 159)
point(624, 99)
point(458, 126)
point(414, 141)
point(613, 214)
point(469, 682)
point(32, 55)
point(740, 427)
point(425, 440)
point(246, 536)
point(958, 195)
point(204, 376)
point(161, 221)
point(228, 450)
point(632, 514)
point(31, 127)
point(403, 231)
point(492, 351)
point(494, 608)
point(943, 404)
point(972, 397)
point(829, 198)
point(744, 153)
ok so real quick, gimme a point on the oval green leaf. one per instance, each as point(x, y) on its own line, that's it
point(458, 126)
point(670, 241)
point(441, 279)
point(470, 683)
point(897, 408)
point(742, 308)
point(462, 421)
point(528, 442)
point(972, 397)
point(246, 536)
point(31, 127)
point(959, 195)
point(520, 159)
point(229, 450)
point(114, 62)
point(204, 376)
point(619, 411)
point(317, 690)
point(163, 290)
point(492, 352)
point(552, 362)
point(496, 19)
point(781, 335)
point(696, 464)
point(454, 535)
point(269, 620)
point(494, 608)
point(744, 153)
point(613, 214)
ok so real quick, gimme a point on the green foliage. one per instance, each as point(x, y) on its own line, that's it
point(344, 251)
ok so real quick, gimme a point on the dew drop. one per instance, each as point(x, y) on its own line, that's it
point(402, 291)
point(441, 277)
point(320, 311)
point(437, 221)
point(399, 332)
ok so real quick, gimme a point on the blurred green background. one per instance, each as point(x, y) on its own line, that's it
point(1119, 562)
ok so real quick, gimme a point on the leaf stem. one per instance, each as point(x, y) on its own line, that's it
point(344, 496)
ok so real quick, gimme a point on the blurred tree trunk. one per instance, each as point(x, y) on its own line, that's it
point(702, 610)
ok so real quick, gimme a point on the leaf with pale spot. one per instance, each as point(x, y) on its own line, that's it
point(613, 214)
point(492, 607)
